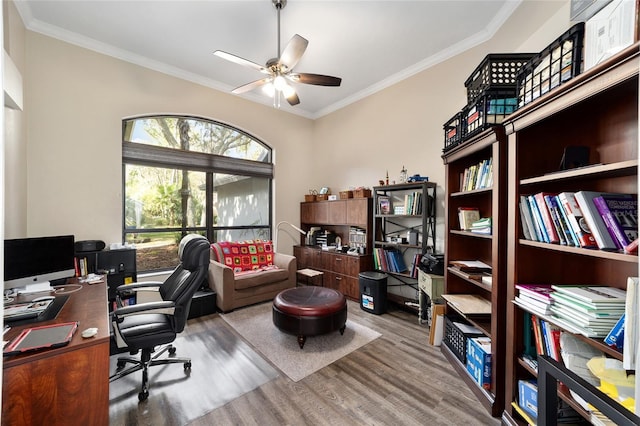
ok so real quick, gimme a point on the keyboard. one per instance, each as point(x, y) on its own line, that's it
point(20, 311)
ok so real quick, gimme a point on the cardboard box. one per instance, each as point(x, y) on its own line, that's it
point(528, 397)
point(609, 31)
point(479, 360)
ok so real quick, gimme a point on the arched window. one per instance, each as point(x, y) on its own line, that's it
point(187, 174)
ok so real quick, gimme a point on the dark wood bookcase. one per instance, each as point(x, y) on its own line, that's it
point(597, 109)
point(490, 249)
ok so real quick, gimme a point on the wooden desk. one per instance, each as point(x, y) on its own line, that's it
point(68, 385)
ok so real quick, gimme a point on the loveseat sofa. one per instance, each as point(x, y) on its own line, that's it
point(248, 272)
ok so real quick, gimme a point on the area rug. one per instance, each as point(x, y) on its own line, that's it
point(224, 367)
point(255, 324)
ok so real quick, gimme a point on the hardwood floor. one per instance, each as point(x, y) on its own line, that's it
point(398, 379)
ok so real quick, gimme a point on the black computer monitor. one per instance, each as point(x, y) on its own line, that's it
point(30, 264)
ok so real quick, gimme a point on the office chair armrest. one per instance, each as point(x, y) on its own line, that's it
point(165, 307)
point(148, 285)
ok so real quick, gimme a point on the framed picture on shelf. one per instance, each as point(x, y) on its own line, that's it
point(384, 205)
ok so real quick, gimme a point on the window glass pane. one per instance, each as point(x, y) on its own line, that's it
point(163, 198)
point(240, 200)
point(242, 234)
point(197, 135)
point(156, 251)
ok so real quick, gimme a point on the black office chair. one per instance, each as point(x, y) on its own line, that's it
point(160, 313)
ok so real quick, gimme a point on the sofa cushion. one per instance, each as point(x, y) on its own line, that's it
point(244, 281)
point(250, 255)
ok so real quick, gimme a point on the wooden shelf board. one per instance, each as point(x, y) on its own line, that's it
point(583, 251)
point(623, 168)
point(464, 276)
point(471, 192)
point(486, 398)
point(471, 234)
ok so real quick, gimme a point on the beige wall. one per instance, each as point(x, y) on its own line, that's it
point(75, 100)
point(402, 125)
point(14, 132)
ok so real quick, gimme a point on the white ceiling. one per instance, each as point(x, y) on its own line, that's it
point(370, 44)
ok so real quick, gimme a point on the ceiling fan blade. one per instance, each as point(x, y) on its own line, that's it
point(293, 51)
point(293, 98)
point(240, 61)
point(250, 86)
point(317, 79)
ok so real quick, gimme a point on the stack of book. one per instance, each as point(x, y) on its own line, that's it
point(481, 226)
point(535, 298)
point(588, 310)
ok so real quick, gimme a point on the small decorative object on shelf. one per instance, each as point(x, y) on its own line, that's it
point(403, 175)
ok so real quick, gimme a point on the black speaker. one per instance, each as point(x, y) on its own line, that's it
point(89, 245)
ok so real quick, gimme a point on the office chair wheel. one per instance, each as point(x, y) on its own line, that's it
point(187, 365)
point(143, 395)
point(121, 365)
point(172, 350)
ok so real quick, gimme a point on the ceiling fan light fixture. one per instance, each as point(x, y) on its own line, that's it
point(280, 69)
point(279, 83)
point(269, 90)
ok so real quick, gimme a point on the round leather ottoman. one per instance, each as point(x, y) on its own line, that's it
point(309, 311)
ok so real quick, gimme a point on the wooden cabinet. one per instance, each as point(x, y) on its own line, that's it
point(341, 271)
point(599, 110)
point(337, 211)
point(463, 245)
point(344, 218)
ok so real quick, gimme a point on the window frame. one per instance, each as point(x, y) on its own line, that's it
point(141, 154)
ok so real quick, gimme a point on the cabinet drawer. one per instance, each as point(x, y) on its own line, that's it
point(432, 285)
point(307, 257)
point(341, 263)
point(345, 285)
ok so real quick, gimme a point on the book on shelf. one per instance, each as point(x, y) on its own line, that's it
point(487, 278)
point(595, 311)
point(531, 421)
point(471, 265)
point(384, 204)
point(389, 260)
point(476, 276)
point(564, 221)
point(594, 220)
point(533, 305)
point(620, 216)
point(615, 337)
point(537, 220)
point(594, 295)
point(527, 227)
point(466, 216)
point(562, 228)
point(477, 176)
point(541, 292)
point(481, 226)
point(547, 221)
point(632, 248)
point(632, 325)
point(576, 220)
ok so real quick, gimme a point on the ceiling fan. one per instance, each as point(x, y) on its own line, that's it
point(279, 70)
